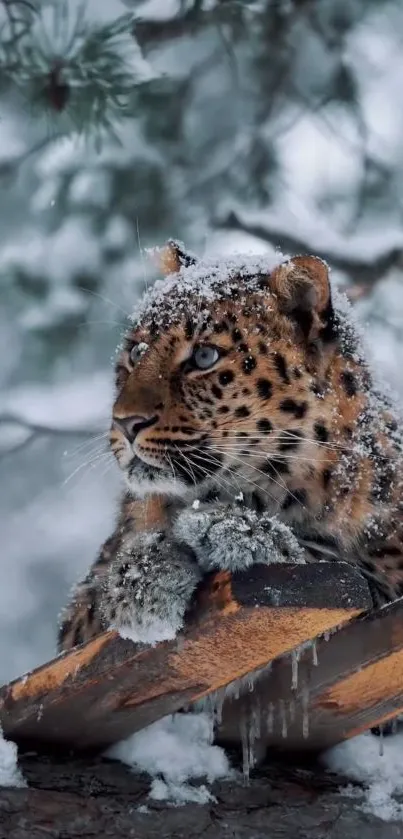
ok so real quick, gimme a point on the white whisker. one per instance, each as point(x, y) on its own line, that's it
point(141, 253)
point(264, 454)
point(214, 462)
point(275, 435)
point(254, 468)
point(104, 299)
point(94, 440)
point(249, 481)
point(89, 464)
point(113, 323)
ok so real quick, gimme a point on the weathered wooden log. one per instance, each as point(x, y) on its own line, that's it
point(343, 684)
point(109, 688)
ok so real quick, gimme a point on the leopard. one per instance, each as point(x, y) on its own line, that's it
point(250, 428)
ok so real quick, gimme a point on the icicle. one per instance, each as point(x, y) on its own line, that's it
point(212, 726)
point(253, 734)
point(381, 749)
point(245, 749)
point(255, 722)
point(314, 654)
point(270, 718)
point(332, 631)
point(218, 707)
point(213, 705)
point(251, 753)
point(251, 757)
point(291, 710)
point(283, 717)
point(246, 683)
point(294, 669)
point(395, 725)
point(305, 712)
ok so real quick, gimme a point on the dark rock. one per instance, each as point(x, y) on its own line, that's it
point(71, 797)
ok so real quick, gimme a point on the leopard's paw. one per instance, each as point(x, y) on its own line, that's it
point(234, 538)
point(147, 591)
point(220, 537)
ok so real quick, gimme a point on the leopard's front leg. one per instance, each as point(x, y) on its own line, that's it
point(149, 586)
point(140, 582)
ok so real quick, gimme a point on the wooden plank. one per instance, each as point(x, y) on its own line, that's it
point(109, 688)
point(348, 682)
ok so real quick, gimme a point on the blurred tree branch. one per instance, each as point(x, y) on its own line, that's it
point(31, 430)
point(362, 271)
point(150, 32)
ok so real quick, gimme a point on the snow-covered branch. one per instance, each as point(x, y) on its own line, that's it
point(365, 266)
point(17, 432)
point(152, 30)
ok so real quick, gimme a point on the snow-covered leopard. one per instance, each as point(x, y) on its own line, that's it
point(248, 429)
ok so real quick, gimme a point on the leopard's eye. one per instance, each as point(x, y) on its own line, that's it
point(137, 351)
point(204, 357)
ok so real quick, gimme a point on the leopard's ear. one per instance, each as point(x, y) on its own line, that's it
point(302, 288)
point(173, 257)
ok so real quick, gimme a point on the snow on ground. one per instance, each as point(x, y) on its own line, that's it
point(176, 751)
point(10, 775)
point(378, 765)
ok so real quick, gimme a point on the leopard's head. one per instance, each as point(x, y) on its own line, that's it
point(219, 378)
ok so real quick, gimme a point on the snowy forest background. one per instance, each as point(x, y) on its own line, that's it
point(252, 125)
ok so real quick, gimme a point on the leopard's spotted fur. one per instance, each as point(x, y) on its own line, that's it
point(286, 423)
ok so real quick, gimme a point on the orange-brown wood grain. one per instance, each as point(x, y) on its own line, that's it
point(368, 687)
point(111, 687)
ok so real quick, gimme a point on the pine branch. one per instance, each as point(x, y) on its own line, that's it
point(19, 15)
point(79, 75)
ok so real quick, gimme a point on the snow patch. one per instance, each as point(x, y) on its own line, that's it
point(10, 774)
point(155, 10)
point(209, 280)
point(73, 250)
point(175, 751)
point(91, 187)
point(361, 759)
point(150, 633)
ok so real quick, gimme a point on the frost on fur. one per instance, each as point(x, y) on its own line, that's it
point(228, 538)
point(207, 280)
point(148, 588)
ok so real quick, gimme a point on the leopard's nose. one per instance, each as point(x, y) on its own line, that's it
point(130, 426)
